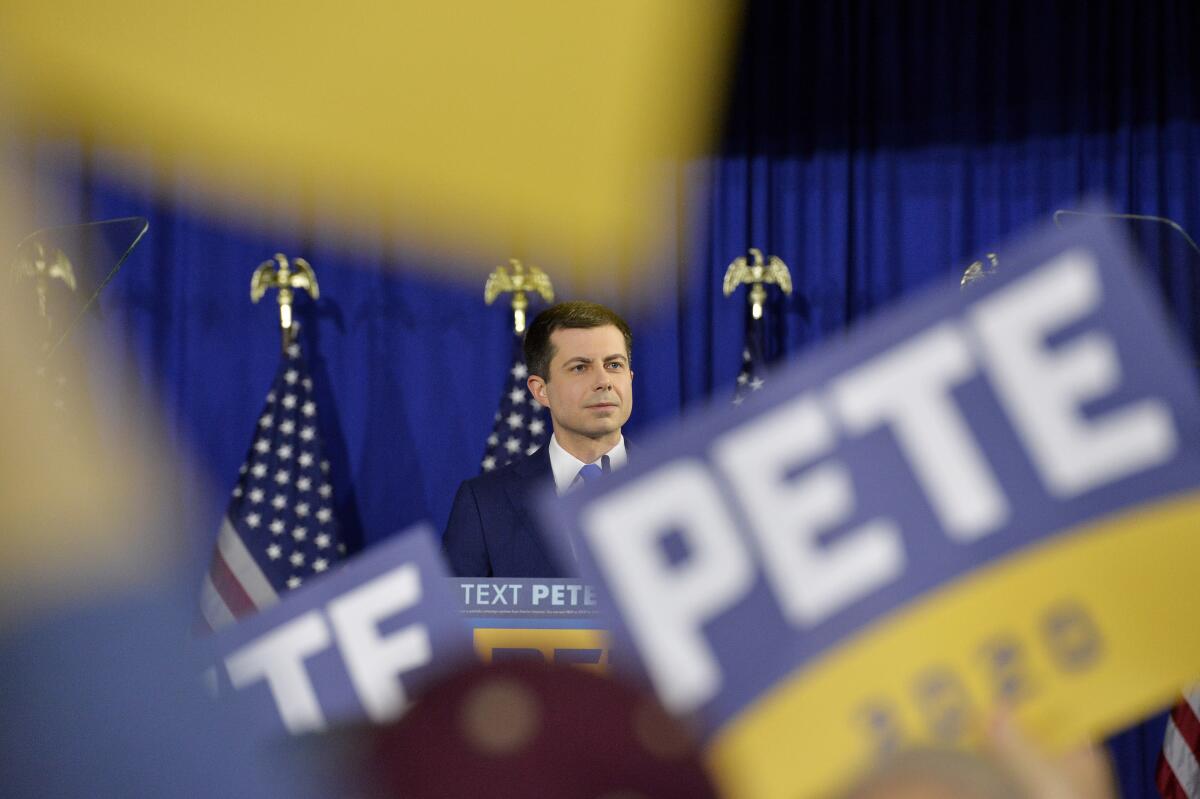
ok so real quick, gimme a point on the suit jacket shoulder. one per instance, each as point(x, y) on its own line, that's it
point(493, 529)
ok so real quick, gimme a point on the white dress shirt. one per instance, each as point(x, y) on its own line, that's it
point(566, 466)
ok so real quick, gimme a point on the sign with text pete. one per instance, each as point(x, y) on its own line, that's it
point(356, 644)
point(979, 498)
point(552, 620)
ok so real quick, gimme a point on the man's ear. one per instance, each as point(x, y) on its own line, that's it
point(537, 387)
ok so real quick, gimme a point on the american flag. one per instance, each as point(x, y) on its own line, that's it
point(279, 530)
point(520, 426)
point(753, 373)
point(1178, 773)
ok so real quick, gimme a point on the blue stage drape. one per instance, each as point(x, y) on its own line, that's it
point(876, 147)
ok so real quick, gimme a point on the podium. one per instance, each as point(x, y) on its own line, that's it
point(554, 620)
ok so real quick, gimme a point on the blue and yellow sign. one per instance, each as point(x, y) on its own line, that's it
point(552, 620)
point(981, 498)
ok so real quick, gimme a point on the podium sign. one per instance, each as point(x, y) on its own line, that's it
point(981, 497)
point(556, 621)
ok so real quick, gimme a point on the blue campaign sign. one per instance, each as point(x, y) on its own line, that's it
point(551, 620)
point(979, 497)
point(357, 644)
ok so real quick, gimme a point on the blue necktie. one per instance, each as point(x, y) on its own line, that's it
point(590, 472)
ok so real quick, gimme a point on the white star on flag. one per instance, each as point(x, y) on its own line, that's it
point(250, 569)
point(751, 376)
point(519, 427)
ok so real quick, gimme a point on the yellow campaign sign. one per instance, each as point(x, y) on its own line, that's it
point(469, 125)
point(1072, 634)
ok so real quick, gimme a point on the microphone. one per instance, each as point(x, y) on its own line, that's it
point(1136, 217)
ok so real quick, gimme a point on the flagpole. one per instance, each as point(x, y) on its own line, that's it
point(519, 426)
point(757, 274)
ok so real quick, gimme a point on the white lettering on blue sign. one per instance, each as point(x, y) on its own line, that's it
point(1042, 391)
point(908, 391)
point(278, 657)
point(665, 605)
point(373, 661)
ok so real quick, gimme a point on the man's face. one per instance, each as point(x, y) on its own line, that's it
point(589, 386)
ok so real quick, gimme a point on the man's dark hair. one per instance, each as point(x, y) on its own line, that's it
point(577, 315)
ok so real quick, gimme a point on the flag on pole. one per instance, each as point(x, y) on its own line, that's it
point(520, 426)
point(279, 530)
point(1178, 773)
point(753, 373)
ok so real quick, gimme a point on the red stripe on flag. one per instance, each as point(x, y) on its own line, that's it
point(236, 599)
point(1189, 726)
point(1164, 778)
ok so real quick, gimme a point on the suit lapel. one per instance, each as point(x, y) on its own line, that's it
point(533, 472)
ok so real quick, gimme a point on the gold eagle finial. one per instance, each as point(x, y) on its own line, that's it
point(519, 281)
point(286, 276)
point(756, 274)
point(978, 270)
point(42, 263)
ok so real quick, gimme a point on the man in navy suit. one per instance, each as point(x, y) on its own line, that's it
point(578, 354)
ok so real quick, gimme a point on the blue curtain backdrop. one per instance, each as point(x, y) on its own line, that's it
point(876, 147)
